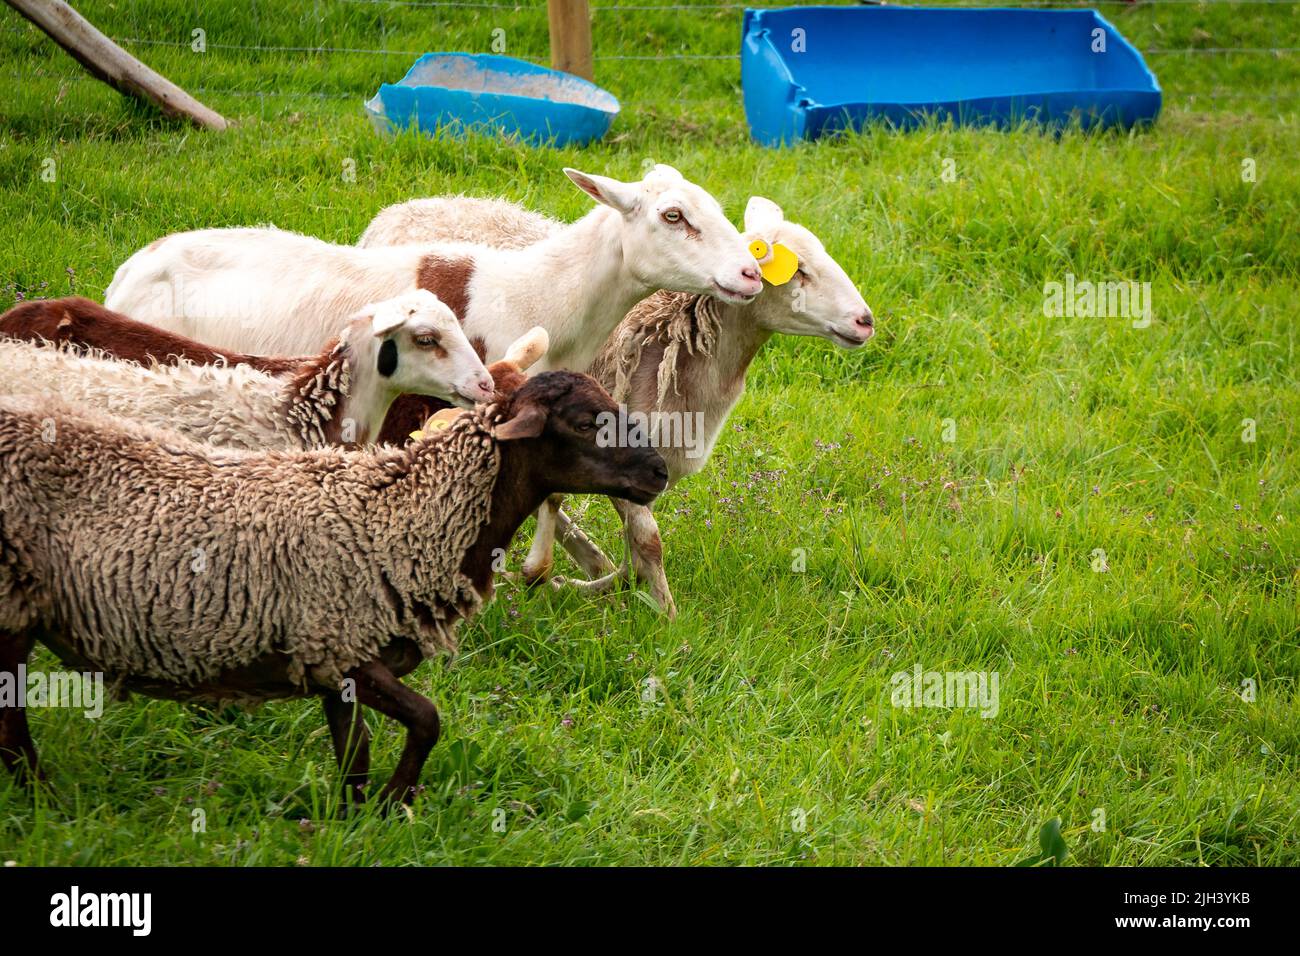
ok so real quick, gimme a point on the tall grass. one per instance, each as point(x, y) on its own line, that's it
point(949, 487)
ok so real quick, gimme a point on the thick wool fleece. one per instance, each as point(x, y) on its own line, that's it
point(670, 321)
point(154, 557)
point(231, 406)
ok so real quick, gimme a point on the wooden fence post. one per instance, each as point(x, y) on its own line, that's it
point(109, 62)
point(570, 37)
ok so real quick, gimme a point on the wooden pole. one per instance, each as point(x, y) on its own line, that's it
point(570, 37)
point(109, 62)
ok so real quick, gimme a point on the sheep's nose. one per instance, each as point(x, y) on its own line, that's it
point(866, 319)
point(749, 272)
point(481, 388)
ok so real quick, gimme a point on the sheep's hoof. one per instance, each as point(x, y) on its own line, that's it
point(536, 574)
point(396, 805)
point(36, 783)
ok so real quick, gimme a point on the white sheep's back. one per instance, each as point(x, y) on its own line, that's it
point(265, 291)
point(490, 222)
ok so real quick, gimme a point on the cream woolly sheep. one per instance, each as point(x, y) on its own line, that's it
point(188, 572)
point(411, 343)
point(678, 363)
point(79, 323)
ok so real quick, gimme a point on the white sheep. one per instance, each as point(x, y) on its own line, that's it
point(677, 359)
point(411, 343)
point(269, 291)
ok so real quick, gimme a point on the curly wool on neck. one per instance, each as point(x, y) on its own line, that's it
point(675, 320)
point(315, 395)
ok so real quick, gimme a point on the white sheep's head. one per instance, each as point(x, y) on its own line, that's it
point(819, 298)
point(675, 235)
point(507, 373)
point(416, 345)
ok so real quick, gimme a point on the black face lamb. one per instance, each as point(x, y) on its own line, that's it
point(262, 575)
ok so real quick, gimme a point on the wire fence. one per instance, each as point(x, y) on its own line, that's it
point(712, 8)
point(1152, 51)
point(1216, 94)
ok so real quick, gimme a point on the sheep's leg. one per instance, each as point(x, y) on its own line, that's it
point(537, 566)
point(351, 746)
point(595, 586)
point(17, 750)
point(378, 688)
point(611, 576)
point(647, 552)
point(582, 549)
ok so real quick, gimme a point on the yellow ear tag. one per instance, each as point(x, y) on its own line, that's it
point(759, 250)
point(781, 268)
point(434, 424)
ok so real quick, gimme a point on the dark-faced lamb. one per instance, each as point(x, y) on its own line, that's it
point(330, 573)
point(408, 344)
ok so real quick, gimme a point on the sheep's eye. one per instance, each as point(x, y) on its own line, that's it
point(426, 341)
point(586, 425)
point(672, 216)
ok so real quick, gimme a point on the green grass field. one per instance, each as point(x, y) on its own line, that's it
point(950, 485)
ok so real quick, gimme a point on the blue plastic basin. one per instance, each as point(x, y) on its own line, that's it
point(458, 92)
point(904, 64)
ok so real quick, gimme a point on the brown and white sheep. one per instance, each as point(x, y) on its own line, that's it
point(409, 344)
point(79, 323)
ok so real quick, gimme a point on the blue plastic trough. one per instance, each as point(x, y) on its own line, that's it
point(458, 92)
point(852, 65)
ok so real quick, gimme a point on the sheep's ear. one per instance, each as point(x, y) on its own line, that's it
point(527, 424)
point(762, 215)
point(528, 348)
point(617, 195)
point(383, 321)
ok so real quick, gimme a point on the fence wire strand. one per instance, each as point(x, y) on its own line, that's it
point(716, 7)
point(1225, 51)
point(1155, 51)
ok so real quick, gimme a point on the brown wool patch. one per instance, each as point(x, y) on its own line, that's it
point(448, 278)
point(85, 324)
